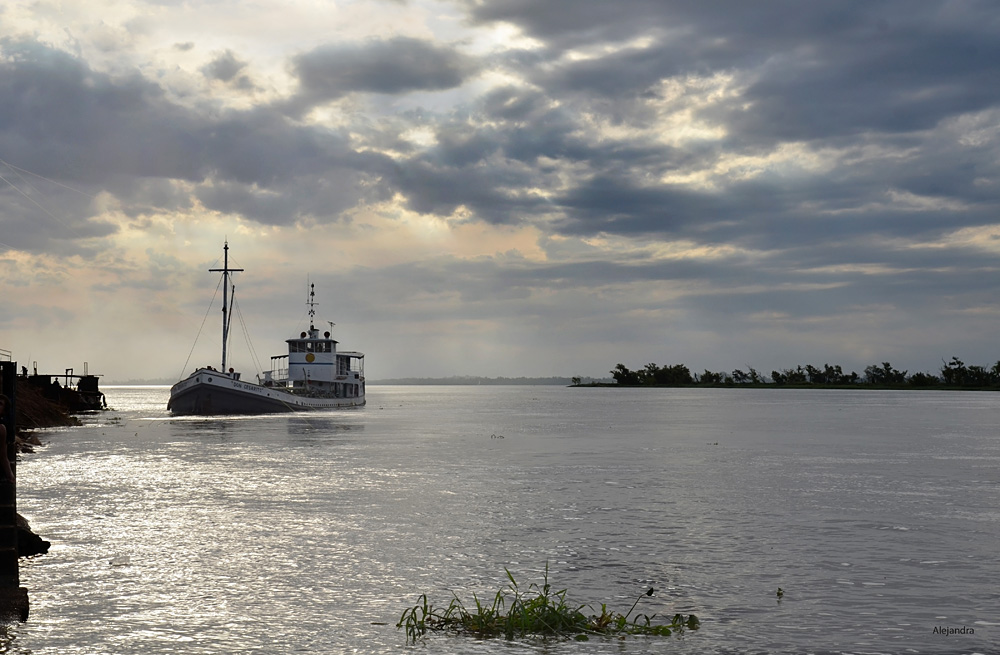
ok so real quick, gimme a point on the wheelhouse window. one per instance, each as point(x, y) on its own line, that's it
point(311, 346)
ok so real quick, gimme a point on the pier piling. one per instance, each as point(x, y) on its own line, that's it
point(13, 597)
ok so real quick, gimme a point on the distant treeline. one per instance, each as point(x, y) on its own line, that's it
point(953, 374)
point(472, 379)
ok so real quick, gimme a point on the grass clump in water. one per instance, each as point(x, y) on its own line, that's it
point(538, 611)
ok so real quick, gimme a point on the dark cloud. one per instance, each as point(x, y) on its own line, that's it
point(866, 86)
point(93, 132)
point(817, 71)
point(842, 76)
point(498, 194)
point(394, 66)
point(224, 67)
point(227, 68)
point(37, 216)
point(62, 120)
point(855, 88)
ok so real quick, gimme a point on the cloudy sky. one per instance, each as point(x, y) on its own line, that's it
point(501, 187)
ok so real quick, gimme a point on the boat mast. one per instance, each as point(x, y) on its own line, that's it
point(312, 306)
point(225, 270)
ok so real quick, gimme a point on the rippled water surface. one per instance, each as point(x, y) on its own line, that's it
point(877, 513)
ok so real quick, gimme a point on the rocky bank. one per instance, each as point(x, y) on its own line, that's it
point(32, 412)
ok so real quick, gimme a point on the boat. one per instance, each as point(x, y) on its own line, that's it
point(85, 397)
point(313, 375)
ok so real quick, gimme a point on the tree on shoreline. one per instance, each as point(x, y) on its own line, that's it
point(885, 374)
point(652, 374)
point(954, 373)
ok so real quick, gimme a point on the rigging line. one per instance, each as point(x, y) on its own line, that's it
point(44, 210)
point(246, 336)
point(18, 169)
point(200, 329)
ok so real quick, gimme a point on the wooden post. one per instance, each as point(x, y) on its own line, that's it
point(13, 597)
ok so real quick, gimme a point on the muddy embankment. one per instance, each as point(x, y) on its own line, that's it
point(34, 412)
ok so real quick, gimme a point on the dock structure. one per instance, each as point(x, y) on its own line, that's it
point(81, 396)
point(13, 597)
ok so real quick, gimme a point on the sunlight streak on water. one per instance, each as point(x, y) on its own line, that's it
point(312, 533)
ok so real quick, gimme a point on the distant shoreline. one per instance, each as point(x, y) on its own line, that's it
point(463, 380)
point(861, 386)
point(467, 380)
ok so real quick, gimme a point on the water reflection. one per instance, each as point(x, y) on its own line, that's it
point(221, 428)
point(313, 429)
point(301, 428)
point(7, 639)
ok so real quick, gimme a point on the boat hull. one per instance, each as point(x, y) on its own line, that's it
point(208, 392)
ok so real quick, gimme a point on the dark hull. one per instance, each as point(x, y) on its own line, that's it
point(221, 401)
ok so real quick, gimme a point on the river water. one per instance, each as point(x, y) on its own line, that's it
point(877, 513)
